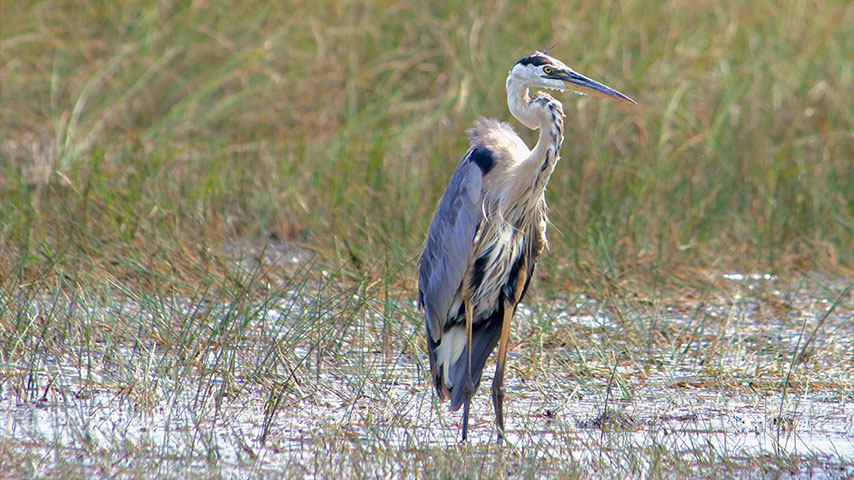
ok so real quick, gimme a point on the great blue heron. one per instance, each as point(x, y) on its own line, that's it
point(489, 231)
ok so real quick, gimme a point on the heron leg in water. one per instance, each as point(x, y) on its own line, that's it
point(468, 383)
point(498, 381)
point(503, 341)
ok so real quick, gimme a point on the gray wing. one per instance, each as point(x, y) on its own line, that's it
point(449, 247)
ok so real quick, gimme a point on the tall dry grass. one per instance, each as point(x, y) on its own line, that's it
point(335, 125)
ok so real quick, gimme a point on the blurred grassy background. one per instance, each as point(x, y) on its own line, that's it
point(139, 137)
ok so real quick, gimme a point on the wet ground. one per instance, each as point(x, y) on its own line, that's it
point(293, 400)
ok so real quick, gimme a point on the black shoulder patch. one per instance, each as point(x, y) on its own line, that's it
point(536, 59)
point(483, 158)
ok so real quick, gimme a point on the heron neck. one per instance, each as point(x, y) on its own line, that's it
point(546, 114)
point(519, 103)
point(545, 155)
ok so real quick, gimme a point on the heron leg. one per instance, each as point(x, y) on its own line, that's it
point(468, 384)
point(503, 340)
point(498, 380)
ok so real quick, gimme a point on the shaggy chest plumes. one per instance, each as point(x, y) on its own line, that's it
point(498, 251)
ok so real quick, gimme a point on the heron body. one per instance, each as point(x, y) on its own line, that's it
point(489, 231)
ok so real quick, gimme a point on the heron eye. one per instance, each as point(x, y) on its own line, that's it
point(547, 70)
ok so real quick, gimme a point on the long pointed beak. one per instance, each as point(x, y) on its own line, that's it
point(579, 83)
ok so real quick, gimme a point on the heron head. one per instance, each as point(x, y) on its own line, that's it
point(542, 70)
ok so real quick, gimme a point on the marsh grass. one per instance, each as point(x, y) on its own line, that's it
point(210, 216)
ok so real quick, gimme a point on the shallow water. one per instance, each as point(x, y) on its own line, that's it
point(361, 395)
point(400, 414)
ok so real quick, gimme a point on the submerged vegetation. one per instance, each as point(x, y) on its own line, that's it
point(211, 214)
